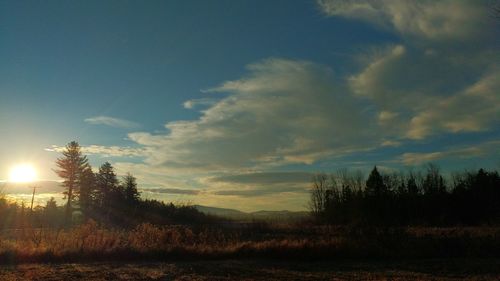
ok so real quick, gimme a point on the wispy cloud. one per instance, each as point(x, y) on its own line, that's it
point(171, 191)
point(455, 152)
point(429, 19)
point(106, 151)
point(190, 104)
point(262, 191)
point(254, 184)
point(283, 111)
point(263, 178)
point(475, 109)
point(111, 121)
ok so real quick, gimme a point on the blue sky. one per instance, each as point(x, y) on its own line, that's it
point(237, 103)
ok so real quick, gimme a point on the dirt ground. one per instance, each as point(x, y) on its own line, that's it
point(453, 269)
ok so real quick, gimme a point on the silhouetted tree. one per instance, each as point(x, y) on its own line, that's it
point(375, 186)
point(107, 185)
point(87, 188)
point(412, 198)
point(319, 194)
point(434, 182)
point(70, 168)
point(130, 189)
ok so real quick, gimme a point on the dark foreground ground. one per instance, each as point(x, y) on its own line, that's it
point(451, 269)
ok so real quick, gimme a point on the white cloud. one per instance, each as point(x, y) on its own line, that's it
point(284, 111)
point(430, 19)
point(111, 121)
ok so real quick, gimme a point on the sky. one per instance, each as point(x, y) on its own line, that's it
point(237, 104)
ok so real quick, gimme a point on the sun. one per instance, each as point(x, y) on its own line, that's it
point(22, 173)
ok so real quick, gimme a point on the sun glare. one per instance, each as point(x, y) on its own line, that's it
point(22, 173)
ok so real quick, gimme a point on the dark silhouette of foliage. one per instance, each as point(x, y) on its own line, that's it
point(109, 190)
point(102, 197)
point(375, 186)
point(321, 193)
point(132, 196)
point(408, 199)
point(88, 189)
point(70, 168)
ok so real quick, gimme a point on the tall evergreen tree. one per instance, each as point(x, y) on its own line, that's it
point(70, 168)
point(87, 188)
point(107, 184)
point(130, 189)
point(375, 186)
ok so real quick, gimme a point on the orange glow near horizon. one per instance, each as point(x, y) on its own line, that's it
point(22, 173)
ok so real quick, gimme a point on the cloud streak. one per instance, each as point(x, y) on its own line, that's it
point(112, 122)
point(106, 151)
point(264, 178)
point(453, 153)
point(195, 103)
point(473, 110)
point(255, 192)
point(171, 191)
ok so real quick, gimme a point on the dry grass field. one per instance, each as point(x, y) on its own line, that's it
point(432, 269)
point(91, 242)
point(250, 252)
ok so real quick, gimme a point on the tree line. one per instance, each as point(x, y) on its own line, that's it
point(105, 198)
point(412, 198)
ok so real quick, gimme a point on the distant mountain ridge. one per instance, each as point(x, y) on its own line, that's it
point(258, 215)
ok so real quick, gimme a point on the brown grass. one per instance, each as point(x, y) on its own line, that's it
point(91, 242)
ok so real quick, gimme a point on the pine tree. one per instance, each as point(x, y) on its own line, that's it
point(70, 169)
point(130, 189)
point(107, 184)
point(87, 188)
point(375, 186)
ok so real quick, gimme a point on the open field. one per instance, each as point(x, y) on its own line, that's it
point(91, 242)
point(250, 252)
point(432, 269)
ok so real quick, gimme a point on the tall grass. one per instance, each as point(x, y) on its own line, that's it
point(92, 242)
